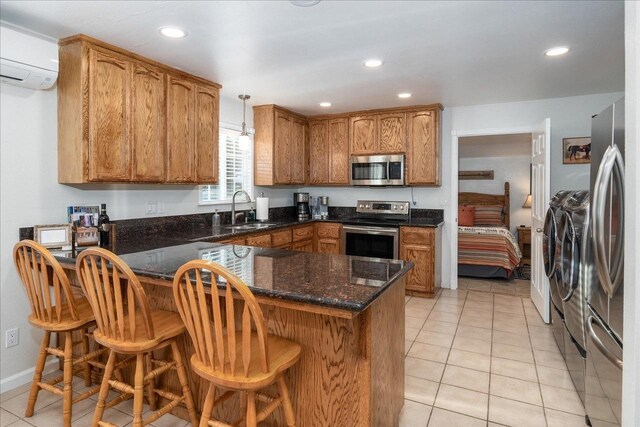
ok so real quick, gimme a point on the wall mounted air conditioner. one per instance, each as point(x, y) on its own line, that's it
point(26, 60)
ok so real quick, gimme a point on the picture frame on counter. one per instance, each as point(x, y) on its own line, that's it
point(576, 150)
point(53, 236)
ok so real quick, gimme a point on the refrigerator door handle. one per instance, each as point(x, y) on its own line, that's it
point(611, 158)
point(598, 343)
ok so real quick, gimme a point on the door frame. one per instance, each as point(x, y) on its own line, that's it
point(453, 195)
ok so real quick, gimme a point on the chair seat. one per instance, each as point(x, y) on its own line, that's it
point(166, 325)
point(283, 354)
point(66, 323)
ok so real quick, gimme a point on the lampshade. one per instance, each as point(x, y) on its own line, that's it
point(527, 202)
point(244, 142)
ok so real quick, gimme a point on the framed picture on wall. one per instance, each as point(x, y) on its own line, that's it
point(576, 151)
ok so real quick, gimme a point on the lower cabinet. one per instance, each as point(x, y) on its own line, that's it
point(261, 241)
point(422, 246)
point(302, 237)
point(328, 237)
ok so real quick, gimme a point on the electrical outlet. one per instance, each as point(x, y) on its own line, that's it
point(152, 207)
point(11, 338)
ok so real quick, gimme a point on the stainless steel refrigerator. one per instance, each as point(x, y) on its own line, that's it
point(603, 382)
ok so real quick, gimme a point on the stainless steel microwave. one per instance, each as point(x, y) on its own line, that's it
point(382, 170)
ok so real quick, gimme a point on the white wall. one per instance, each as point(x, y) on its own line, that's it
point(30, 194)
point(514, 169)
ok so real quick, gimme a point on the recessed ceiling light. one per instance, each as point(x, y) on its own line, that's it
point(173, 32)
point(404, 95)
point(325, 104)
point(373, 63)
point(556, 51)
point(304, 3)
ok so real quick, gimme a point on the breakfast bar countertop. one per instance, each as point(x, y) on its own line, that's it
point(337, 281)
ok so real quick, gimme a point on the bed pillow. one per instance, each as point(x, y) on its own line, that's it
point(466, 216)
point(488, 215)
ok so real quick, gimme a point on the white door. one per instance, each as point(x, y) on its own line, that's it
point(540, 189)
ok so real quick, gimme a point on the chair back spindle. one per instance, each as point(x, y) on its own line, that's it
point(212, 326)
point(115, 294)
point(45, 282)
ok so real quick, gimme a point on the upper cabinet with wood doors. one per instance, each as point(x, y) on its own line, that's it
point(423, 147)
point(279, 146)
point(378, 133)
point(126, 118)
point(413, 131)
point(148, 121)
point(329, 151)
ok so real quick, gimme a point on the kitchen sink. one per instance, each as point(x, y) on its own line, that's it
point(252, 226)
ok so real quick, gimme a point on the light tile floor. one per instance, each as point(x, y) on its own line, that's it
point(478, 356)
point(481, 356)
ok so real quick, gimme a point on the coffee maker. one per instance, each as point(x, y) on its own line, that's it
point(301, 201)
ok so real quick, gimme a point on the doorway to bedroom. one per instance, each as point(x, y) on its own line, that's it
point(494, 213)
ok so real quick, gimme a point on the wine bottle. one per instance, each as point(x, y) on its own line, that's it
point(103, 226)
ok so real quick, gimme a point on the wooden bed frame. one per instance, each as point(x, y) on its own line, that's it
point(488, 199)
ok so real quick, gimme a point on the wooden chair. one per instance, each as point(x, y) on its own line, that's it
point(54, 308)
point(243, 360)
point(126, 325)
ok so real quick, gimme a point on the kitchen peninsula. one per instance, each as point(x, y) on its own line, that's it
point(346, 312)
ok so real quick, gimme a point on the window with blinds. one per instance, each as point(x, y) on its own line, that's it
point(235, 170)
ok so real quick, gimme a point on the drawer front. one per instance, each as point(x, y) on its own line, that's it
point(238, 241)
point(263, 241)
point(416, 235)
point(328, 231)
point(303, 233)
point(280, 238)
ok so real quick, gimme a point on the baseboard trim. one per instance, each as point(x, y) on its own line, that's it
point(26, 376)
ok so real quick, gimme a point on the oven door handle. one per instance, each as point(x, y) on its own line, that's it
point(370, 230)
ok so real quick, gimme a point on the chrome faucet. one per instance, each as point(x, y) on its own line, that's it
point(233, 205)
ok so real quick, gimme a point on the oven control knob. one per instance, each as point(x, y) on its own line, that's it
point(396, 207)
point(367, 206)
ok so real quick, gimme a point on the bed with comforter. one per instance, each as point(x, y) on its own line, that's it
point(487, 252)
point(486, 247)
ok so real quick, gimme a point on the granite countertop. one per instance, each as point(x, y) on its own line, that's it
point(337, 281)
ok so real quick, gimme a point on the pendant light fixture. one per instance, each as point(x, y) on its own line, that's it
point(244, 140)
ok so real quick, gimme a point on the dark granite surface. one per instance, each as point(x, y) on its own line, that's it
point(338, 281)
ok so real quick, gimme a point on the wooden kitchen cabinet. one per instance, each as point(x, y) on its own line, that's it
point(391, 133)
point(207, 134)
point(279, 146)
point(281, 239)
point(262, 241)
point(338, 151)
point(109, 119)
point(126, 118)
point(327, 238)
point(329, 151)
point(331, 139)
point(363, 134)
point(423, 147)
point(181, 119)
point(148, 121)
point(319, 152)
point(302, 238)
point(422, 246)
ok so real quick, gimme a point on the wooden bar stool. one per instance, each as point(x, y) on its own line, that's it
point(244, 360)
point(126, 325)
point(54, 308)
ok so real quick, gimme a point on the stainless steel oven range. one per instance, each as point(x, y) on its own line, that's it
point(375, 230)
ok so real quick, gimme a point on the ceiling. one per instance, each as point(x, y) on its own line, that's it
point(509, 145)
point(452, 52)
